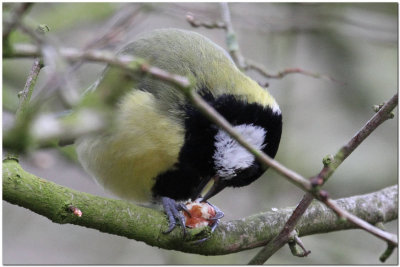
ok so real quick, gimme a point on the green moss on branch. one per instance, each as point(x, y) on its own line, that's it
point(143, 224)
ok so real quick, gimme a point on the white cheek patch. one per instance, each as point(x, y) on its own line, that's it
point(230, 156)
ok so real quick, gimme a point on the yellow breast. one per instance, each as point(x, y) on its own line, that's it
point(144, 144)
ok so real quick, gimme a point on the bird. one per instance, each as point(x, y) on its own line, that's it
point(162, 149)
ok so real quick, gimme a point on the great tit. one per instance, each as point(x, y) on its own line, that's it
point(161, 148)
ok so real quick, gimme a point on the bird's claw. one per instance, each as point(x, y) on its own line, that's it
point(172, 209)
point(218, 215)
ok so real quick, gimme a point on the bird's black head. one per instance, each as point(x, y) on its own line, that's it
point(210, 153)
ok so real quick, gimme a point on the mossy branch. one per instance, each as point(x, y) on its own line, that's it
point(144, 224)
point(133, 64)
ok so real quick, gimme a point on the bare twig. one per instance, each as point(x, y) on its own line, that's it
point(231, 38)
point(300, 243)
point(37, 36)
point(15, 19)
point(390, 247)
point(387, 253)
point(284, 235)
point(382, 115)
point(361, 223)
point(219, 120)
point(58, 74)
point(16, 137)
point(250, 64)
point(180, 81)
point(298, 179)
point(26, 93)
point(206, 24)
point(120, 23)
point(184, 84)
point(234, 50)
point(65, 131)
point(282, 238)
point(294, 242)
point(125, 62)
point(292, 176)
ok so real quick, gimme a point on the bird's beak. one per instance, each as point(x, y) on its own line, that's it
point(217, 186)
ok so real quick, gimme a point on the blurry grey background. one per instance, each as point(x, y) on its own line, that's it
point(356, 44)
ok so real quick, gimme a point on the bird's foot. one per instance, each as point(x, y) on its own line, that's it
point(216, 219)
point(172, 209)
point(174, 214)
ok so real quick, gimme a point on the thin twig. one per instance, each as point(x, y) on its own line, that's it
point(37, 36)
point(284, 235)
point(16, 17)
point(231, 38)
point(219, 120)
point(234, 51)
point(26, 93)
point(67, 132)
point(250, 64)
point(382, 115)
point(246, 64)
point(392, 239)
point(120, 23)
point(387, 253)
point(294, 242)
point(125, 62)
point(209, 111)
point(301, 245)
point(124, 21)
point(282, 238)
point(51, 57)
point(206, 24)
point(292, 176)
point(16, 138)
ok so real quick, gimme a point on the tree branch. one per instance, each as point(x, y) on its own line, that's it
point(16, 17)
point(65, 129)
point(219, 120)
point(250, 64)
point(383, 114)
point(25, 95)
point(231, 38)
point(144, 224)
point(330, 165)
point(125, 62)
point(234, 49)
point(206, 24)
point(133, 64)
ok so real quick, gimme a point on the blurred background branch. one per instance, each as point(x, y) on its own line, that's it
point(132, 65)
point(234, 50)
point(383, 114)
point(17, 14)
point(275, 32)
